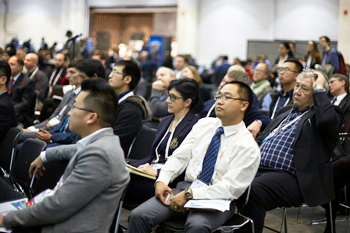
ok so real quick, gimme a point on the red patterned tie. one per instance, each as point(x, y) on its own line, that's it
point(11, 84)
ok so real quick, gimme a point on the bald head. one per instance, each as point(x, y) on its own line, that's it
point(31, 61)
point(236, 67)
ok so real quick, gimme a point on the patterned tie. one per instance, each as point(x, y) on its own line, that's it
point(210, 157)
point(334, 100)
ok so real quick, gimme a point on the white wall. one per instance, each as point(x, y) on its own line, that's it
point(118, 3)
point(41, 18)
point(225, 26)
point(164, 24)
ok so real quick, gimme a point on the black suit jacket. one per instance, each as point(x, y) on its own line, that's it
point(345, 105)
point(7, 115)
point(22, 95)
point(179, 135)
point(315, 139)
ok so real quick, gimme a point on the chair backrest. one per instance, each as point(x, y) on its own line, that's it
point(243, 200)
point(34, 102)
point(142, 144)
point(30, 150)
point(8, 148)
point(115, 223)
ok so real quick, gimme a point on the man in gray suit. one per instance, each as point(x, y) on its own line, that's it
point(87, 195)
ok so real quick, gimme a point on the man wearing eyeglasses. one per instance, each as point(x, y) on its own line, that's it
point(261, 85)
point(220, 157)
point(296, 149)
point(87, 196)
point(287, 77)
point(132, 109)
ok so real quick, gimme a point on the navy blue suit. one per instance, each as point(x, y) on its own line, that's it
point(252, 115)
point(138, 183)
point(7, 115)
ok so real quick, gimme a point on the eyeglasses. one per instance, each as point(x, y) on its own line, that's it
point(114, 72)
point(84, 109)
point(225, 98)
point(286, 70)
point(173, 97)
point(259, 71)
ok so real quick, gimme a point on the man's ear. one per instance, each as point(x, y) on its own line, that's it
point(245, 105)
point(3, 80)
point(127, 79)
point(96, 76)
point(93, 118)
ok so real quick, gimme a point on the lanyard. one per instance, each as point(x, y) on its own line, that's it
point(168, 143)
point(131, 93)
point(222, 153)
point(275, 108)
point(210, 110)
point(284, 127)
point(34, 72)
point(57, 77)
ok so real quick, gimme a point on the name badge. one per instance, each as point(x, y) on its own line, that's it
point(54, 121)
point(197, 184)
point(157, 166)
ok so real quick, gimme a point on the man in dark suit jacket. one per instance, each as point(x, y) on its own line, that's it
point(21, 91)
point(7, 112)
point(254, 119)
point(128, 121)
point(39, 77)
point(56, 74)
point(339, 88)
point(296, 149)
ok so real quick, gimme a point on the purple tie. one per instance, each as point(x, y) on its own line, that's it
point(334, 99)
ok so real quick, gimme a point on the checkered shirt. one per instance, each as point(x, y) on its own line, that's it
point(277, 152)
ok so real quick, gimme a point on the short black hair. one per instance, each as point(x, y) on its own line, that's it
point(297, 64)
point(132, 69)
point(101, 99)
point(244, 92)
point(5, 70)
point(91, 67)
point(326, 38)
point(185, 57)
point(225, 58)
point(189, 89)
point(75, 62)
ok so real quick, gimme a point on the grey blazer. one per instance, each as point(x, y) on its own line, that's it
point(67, 100)
point(87, 199)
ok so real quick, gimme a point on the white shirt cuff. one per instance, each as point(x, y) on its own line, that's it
point(32, 128)
point(43, 156)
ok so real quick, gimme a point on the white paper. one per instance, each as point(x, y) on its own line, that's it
point(10, 206)
point(214, 204)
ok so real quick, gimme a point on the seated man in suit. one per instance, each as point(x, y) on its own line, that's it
point(131, 108)
point(254, 119)
point(7, 112)
point(21, 91)
point(220, 157)
point(39, 77)
point(296, 149)
point(78, 71)
point(339, 88)
point(87, 196)
point(58, 72)
point(157, 100)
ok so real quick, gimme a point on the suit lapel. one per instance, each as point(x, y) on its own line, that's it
point(301, 122)
point(163, 130)
point(183, 124)
point(17, 83)
point(344, 101)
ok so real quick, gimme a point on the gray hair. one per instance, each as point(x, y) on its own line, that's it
point(239, 76)
point(309, 74)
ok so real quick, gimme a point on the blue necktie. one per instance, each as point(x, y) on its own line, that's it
point(210, 157)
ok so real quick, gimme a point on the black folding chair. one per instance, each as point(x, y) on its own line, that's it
point(19, 176)
point(236, 222)
point(142, 144)
point(8, 150)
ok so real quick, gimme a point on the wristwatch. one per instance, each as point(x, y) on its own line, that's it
point(188, 194)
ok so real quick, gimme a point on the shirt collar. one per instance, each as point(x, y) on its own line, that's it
point(123, 94)
point(288, 94)
point(85, 141)
point(231, 129)
point(341, 97)
point(16, 77)
point(77, 91)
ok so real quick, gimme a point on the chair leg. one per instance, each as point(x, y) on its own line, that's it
point(284, 220)
point(331, 216)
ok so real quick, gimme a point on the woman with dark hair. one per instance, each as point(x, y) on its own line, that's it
point(183, 102)
point(313, 56)
point(285, 53)
point(192, 73)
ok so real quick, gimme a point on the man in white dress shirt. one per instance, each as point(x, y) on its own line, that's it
point(226, 153)
point(339, 88)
